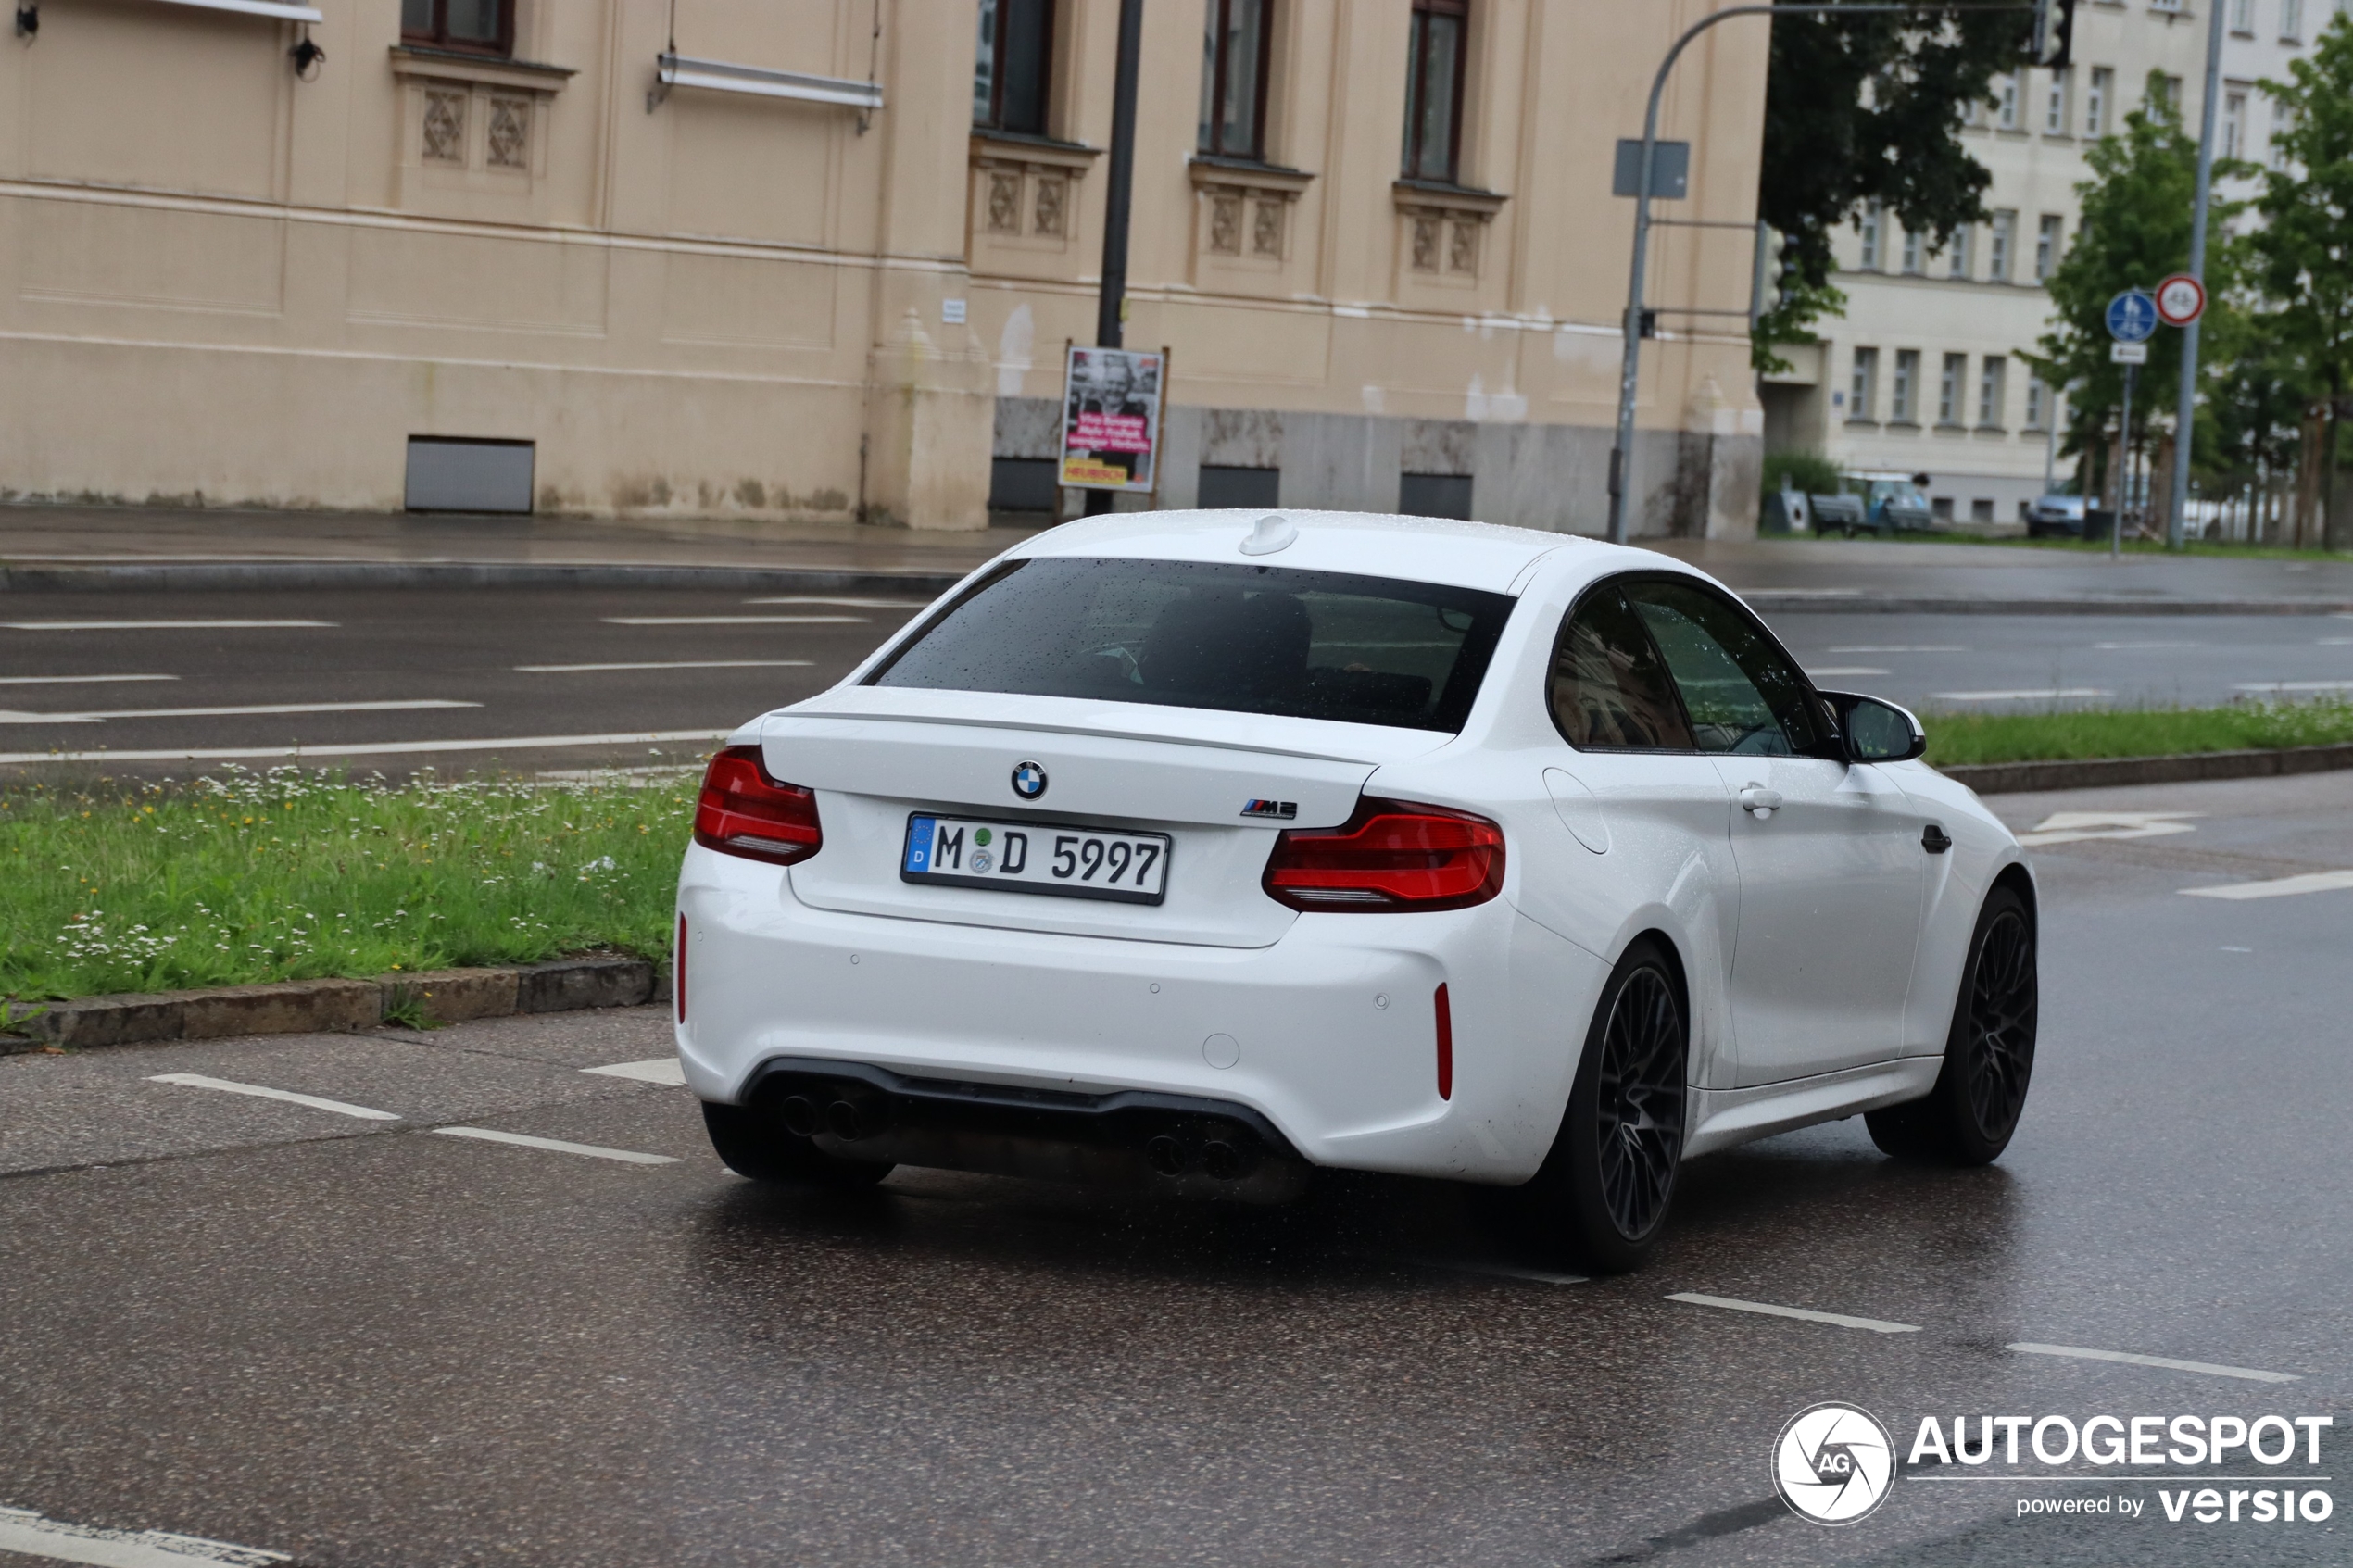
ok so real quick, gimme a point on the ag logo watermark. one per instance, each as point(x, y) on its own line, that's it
point(1833, 1463)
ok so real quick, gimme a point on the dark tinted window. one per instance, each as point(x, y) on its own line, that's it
point(1609, 690)
point(1742, 692)
point(1252, 639)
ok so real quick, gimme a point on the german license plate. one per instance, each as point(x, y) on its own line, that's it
point(1128, 868)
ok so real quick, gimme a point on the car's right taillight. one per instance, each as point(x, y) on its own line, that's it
point(743, 811)
point(1389, 857)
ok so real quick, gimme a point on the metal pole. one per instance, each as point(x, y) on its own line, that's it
point(1119, 180)
point(2185, 409)
point(1621, 455)
point(2125, 489)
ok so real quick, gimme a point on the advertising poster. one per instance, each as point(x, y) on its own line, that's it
point(1110, 419)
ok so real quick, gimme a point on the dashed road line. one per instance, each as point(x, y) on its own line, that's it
point(2073, 827)
point(97, 716)
point(2279, 887)
point(2035, 695)
point(1842, 670)
point(28, 1532)
point(368, 748)
point(672, 664)
point(150, 625)
point(627, 1156)
point(1803, 1314)
point(75, 680)
point(227, 1086)
point(736, 619)
point(2168, 1362)
point(1900, 648)
point(854, 604)
point(662, 1070)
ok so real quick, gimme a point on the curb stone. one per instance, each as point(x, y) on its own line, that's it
point(309, 1007)
point(2110, 772)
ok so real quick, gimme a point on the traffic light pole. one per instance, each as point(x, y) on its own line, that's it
point(1621, 457)
point(2185, 408)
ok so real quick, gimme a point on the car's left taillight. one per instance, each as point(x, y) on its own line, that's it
point(743, 811)
point(1390, 856)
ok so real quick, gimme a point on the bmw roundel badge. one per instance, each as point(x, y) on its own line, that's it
point(1029, 780)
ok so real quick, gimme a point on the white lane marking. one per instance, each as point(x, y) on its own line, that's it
point(736, 619)
point(198, 1081)
point(2073, 827)
point(2168, 1362)
point(2293, 686)
point(661, 1070)
point(1901, 647)
point(626, 1156)
point(1803, 593)
point(99, 716)
point(857, 603)
point(2119, 647)
point(2238, 950)
point(22, 1530)
point(2281, 888)
point(1839, 1320)
point(2020, 696)
point(75, 680)
point(1841, 670)
point(1495, 1271)
point(148, 625)
point(2336, 641)
point(673, 664)
point(370, 749)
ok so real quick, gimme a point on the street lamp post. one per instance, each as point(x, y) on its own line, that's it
point(1119, 181)
point(2186, 407)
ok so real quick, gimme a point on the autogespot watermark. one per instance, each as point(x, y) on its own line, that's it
point(1834, 1465)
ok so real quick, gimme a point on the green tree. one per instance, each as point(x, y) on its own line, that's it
point(2302, 252)
point(2134, 232)
point(1867, 108)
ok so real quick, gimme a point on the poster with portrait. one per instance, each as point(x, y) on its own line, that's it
point(1110, 419)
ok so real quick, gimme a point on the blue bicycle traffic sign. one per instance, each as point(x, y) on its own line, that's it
point(2131, 317)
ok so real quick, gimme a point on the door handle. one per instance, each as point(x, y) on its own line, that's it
point(1934, 839)
point(1762, 801)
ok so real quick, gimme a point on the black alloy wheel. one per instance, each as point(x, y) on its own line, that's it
point(1611, 1173)
point(1969, 1116)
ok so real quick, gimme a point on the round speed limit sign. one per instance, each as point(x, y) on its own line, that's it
point(2181, 299)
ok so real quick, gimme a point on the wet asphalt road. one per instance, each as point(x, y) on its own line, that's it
point(551, 679)
point(360, 1343)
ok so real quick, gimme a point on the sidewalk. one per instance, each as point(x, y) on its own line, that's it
point(72, 547)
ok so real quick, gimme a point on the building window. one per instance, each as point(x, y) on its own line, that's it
point(1907, 378)
point(2037, 397)
point(2243, 17)
point(1013, 67)
point(1233, 77)
point(2095, 99)
point(1874, 217)
point(2234, 123)
point(2168, 93)
point(1911, 253)
point(1863, 394)
point(2291, 21)
point(1434, 89)
point(1990, 390)
point(2006, 101)
point(481, 27)
point(2054, 105)
point(1997, 261)
point(2047, 246)
point(1963, 242)
point(1948, 389)
point(2282, 124)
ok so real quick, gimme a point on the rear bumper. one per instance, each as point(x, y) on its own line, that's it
point(1328, 1034)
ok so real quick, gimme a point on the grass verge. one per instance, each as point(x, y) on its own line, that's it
point(296, 875)
point(1956, 739)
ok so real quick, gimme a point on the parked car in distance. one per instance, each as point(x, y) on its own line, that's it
point(2056, 517)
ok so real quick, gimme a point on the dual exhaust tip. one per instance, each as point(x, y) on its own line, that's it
point(849, 1114)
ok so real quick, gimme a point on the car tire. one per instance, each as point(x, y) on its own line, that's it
point(752, 1142)
point(1969, 1117)
point(1604, 1190)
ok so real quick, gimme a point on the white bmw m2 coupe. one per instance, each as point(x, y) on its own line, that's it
point(1191, 850)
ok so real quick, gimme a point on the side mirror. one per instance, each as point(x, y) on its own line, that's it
point(1876, 731)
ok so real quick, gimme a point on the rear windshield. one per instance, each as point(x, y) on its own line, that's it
point(1243, 638)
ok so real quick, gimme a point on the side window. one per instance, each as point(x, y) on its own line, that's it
point(1609, 690)
point(1742, 692)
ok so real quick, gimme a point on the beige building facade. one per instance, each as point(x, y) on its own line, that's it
point(817, 260)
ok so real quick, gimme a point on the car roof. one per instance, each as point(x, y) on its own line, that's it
point(1419, 549)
